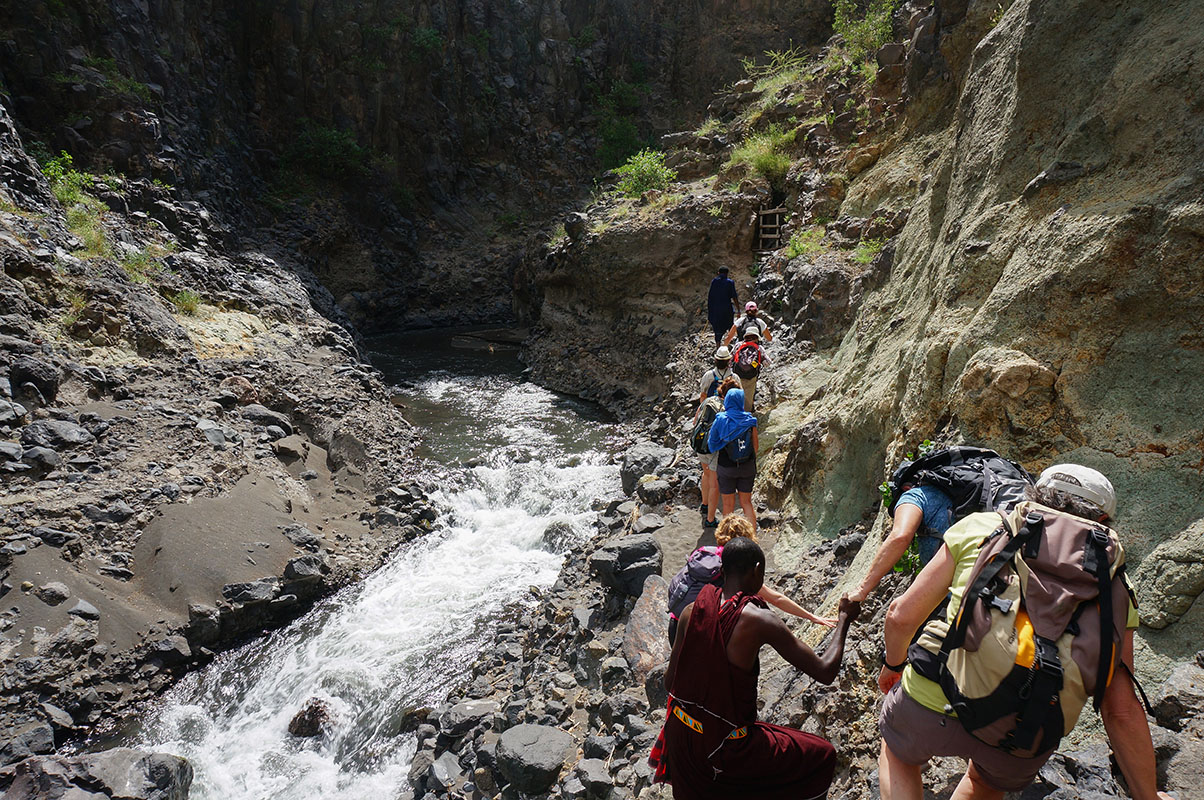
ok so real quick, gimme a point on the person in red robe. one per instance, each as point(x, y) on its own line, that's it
point(712, 745)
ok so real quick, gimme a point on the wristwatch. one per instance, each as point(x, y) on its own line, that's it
point(893, 667)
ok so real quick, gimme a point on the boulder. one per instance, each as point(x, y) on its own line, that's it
point(646, 523)
point(259, 591)
point(55, 434)
point(261, 415)
point(53, 593)
point(303, 537)
point(43, 375)
point(463, 717)
point(444, 771)
point(558, 536)
point(204, 624)
point(11, 413)
point(25, 741)
point(1180, 698)
point(653, 492)
point(42, 458)
point(309, 567)
point(530, 757)
point(645, 642)
point(594, 775)
point(626, 562)
point(84, 610)
point(642, 458)
point(314, 719)
point(53, 536)
point(1172, 577)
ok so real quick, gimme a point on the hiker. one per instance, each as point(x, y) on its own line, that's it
point(733, 438)
point(747, 362)
point(1019, 698)
point(925, 511)
point(921, 497)
point(721, 368)
point(704, 566)
point(750, 319)
point(722, 303)
point(712, 745)
point(708, 409)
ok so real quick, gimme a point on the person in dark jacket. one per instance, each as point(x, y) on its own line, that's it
point(722, 303)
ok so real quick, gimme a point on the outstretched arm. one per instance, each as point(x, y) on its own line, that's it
point(908, 612)
point(1129, 730)
point(822, 668)
point(727, 339)
point(779, 600)
point(908, 518)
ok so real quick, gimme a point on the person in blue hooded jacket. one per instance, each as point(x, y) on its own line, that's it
point(734, 437)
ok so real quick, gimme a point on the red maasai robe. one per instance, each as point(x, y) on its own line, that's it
point(712, 745)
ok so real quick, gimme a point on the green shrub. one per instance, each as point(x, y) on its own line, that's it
point(765, 154)
point(140, 265)
point(328, 152)
point(866, 250)
point(643, 171)
point(806, 242)
point(715, 211)
point(116, 81)
point(66, 182)
point(186, 301)
point(864, 32)
point(427, 40)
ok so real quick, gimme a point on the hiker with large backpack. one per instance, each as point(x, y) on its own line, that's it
point(747, 362)
point(708, 409)
point(1039, 621)
point(733, 437)
point(751, 319)
point(704, 567)
point(927, 495)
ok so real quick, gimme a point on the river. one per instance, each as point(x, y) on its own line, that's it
point(512, 458)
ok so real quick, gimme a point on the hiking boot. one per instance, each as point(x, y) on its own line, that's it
point(714, 523)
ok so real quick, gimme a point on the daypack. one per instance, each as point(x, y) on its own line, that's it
point(713, 389)
point(1029, 644)
point(702, 428)
point(703, 566)
point(743, 325)
point(976, 479)
point(740, 449)
point(746, 361)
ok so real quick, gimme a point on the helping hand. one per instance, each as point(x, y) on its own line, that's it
point(849, 608)
point(887, 679)
point(827, 622)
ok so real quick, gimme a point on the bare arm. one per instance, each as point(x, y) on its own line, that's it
point(778, 600)
point(756, 440)
point(908, 518)
point(1129, 730)
point(727, 339)
point(908, 612)
point(769, 629)
point(683, 622)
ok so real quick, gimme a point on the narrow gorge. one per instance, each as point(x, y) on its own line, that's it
point(346, 372)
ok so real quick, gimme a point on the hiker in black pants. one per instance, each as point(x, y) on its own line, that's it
point(722, 303)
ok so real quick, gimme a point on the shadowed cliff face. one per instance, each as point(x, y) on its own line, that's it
point(406, 148)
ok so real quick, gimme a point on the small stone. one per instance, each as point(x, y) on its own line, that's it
point(53, 593)
point(55, 433)
point(302, 537)
point(41, 458)
point(309, 475)
point(261, 415)
point(595, 776)
point(84, 610)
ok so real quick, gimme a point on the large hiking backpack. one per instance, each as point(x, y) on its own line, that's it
point(746, 361)
point(745, 323)
point(740, 449)
point(703, 566)
point(702, 428)
point(976, 479)
point(1038, 631)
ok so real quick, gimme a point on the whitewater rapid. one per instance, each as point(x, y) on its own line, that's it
point(518, 459)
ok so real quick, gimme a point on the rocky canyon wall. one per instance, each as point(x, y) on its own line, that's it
point(406, 149)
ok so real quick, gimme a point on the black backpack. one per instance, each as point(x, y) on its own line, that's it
point(740, 449)
point(703, 566)
point(974, 478)
point(702, 428)
point(747, 360)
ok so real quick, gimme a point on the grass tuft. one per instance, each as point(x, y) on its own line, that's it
point(805, 243)
point(867, 249)
point(186, 302)
point(765, 154)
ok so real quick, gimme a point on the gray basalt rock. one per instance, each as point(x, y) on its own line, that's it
point(259, 591)
point(1180, 699)
point(625, 562)
point(645, 643)
point(28, 740)
point(532, 756)
point(1172, 577)
point(42, 374)
point(463, 717)
point(314, 719)
point(642, 458)
point(55, 434)
point(261, 415)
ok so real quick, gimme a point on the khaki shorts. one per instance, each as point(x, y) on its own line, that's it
point(710, 461)
point(915, 734)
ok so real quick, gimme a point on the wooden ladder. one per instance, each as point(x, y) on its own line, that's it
point(769, 228)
